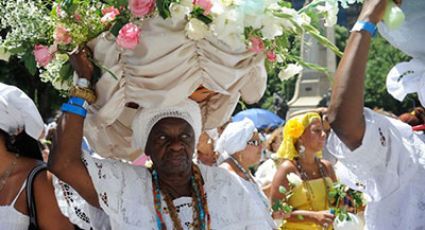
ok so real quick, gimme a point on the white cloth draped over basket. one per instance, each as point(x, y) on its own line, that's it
point(165, 68)
point(408, 77)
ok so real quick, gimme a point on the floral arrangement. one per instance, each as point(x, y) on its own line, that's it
point(343, 195)
point(44, 33)
point(282, 205)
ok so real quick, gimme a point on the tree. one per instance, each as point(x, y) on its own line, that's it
point(44, 95)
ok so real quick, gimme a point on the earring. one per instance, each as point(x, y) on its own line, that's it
point(301, 150)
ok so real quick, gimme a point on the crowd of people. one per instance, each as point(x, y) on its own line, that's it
point(217, 178)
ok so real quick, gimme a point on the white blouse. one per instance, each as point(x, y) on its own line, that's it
point(125, 195)
point(390, 166)
point(12, 219)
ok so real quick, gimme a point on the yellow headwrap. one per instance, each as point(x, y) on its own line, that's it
point(292, 131)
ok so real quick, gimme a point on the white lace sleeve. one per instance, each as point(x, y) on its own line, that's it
point(77, 210)
point(386, 158)
point(107, 176)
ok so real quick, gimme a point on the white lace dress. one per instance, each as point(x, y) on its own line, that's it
point(12, 219)
point(390, 165)
point(125, 195)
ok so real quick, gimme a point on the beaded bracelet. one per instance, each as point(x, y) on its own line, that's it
point(84, 93)
point(74, 109)
point(78, 101)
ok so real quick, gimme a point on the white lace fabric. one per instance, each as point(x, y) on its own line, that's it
point(390, 164)
point(125, 195)
point(77, 210)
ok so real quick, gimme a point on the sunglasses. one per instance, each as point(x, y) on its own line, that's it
point(254, 142)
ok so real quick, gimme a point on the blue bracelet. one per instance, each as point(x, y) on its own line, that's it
point(366, 26)
point(74, 109)
point(78, 101)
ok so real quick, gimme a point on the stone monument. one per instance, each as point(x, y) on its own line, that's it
point(312, 86)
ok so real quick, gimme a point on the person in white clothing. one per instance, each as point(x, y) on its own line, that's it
point(175, 193)
point(240, 148)
point(381, 152)
point(21, 126)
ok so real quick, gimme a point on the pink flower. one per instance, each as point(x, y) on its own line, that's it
point(271, 56)
point(58, 10)
point(62, 35)
point(42, 55)
point(257, 45)
point(77, 17)
point(140, 8)
point(206, 5)
point(128, 36)
point(109, 14)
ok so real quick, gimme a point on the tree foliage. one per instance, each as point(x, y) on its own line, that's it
point(44, 95)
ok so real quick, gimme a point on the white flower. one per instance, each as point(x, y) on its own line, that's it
point(178, 12)
point(4, 55)
point(251, 7)
point(254, 20)
point(227, 3)
point(290, 71)
point(303, 19)
point(228, 28)
point(272, 27)
point(330, 9)
point(149, 164)
point(196, 29)
point(355, 223)
point(187, 3)
point(294, 179)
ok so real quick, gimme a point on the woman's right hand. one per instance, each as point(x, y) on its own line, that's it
point(81, 63)
point(323, 218)
point(374, 10)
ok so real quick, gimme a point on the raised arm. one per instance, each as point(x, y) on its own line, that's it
point(346, 107)
point(65, 160)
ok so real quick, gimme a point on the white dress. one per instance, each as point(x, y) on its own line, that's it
point(125, 195)
point(390, 164)
point(12, 219)
point(265, 172)
point(261, 199)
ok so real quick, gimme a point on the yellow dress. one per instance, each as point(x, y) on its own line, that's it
point(315, 191)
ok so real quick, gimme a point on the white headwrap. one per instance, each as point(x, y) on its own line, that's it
point(146, 118)
point(18, 113)
point(234, 138)
point(408, 77)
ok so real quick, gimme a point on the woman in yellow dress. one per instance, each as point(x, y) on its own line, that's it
point(302, 172)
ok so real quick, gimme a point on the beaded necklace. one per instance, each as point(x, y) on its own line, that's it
point(6, 174)
point(201, 216)
point(250, 178)
point(307, 186)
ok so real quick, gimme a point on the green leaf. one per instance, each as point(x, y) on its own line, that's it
point(66, 71)
point(17, 50)
point(117, 27)
point(30, 63)
point(282, 189)
point(198, 13)
point(300, 217)
point(163, 7)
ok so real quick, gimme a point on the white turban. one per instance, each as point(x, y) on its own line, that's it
point(18, 113)
point(234, 137)
point(408, 77)
point(146, 118)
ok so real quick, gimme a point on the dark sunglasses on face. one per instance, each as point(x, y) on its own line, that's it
point(254, 142)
